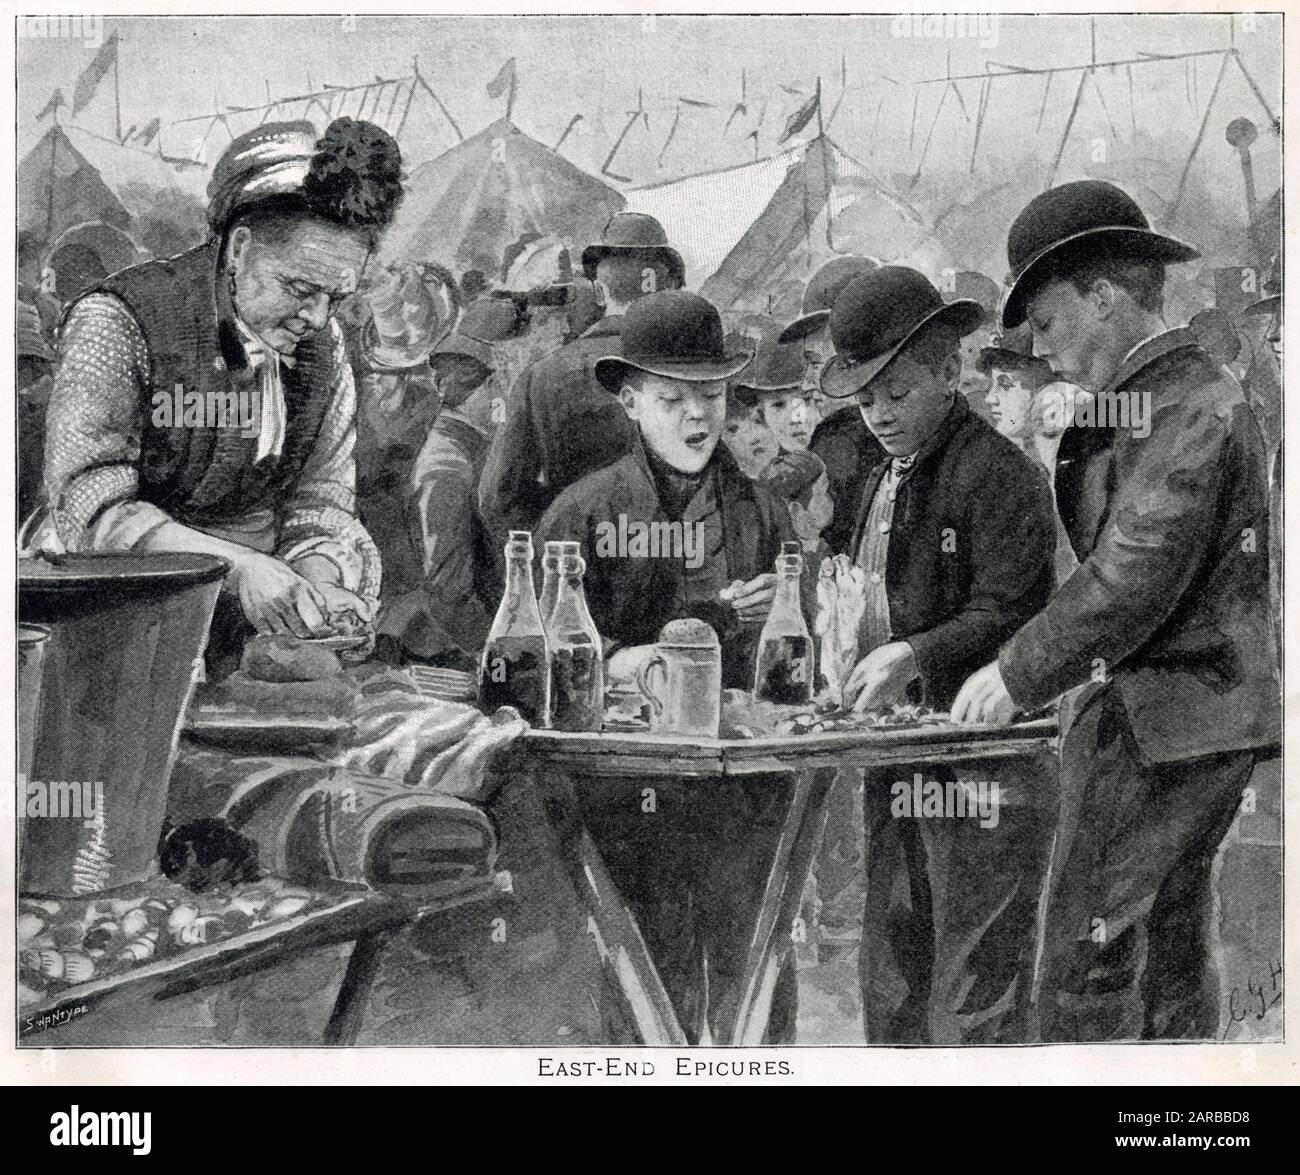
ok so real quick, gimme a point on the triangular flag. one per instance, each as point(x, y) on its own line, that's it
point(93, 74)
point(503, 81)
point(800, 118)
point(150, 131)
point(56, 100)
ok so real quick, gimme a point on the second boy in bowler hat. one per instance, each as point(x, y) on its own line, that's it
point(954, 532)
point(1165, 624)
point(697, 871)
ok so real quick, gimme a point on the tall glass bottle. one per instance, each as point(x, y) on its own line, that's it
point(551, 556)
point(784, 671)
point(515, 670)
point(577, 661)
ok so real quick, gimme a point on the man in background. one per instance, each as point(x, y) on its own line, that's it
point(560, 423)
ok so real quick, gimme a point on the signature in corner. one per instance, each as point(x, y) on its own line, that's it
point(1258, 997)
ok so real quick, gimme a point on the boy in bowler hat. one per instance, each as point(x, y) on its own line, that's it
point(694, 873)
point(954, 533)
point(1164, 624)
point(560, 423)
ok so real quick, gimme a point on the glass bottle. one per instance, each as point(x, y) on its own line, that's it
point(784, 672)
point(551, 556)
point(514, 670)
point(577, 661)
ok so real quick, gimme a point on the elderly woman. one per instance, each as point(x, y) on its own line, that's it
point(204, 403)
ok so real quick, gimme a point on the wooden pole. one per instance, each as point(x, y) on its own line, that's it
point(1069, 122)
point(419, 77)
point(117, 100)
point(410, 96)
point(1196, 143)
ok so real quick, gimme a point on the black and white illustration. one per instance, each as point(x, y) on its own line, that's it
point(569, 532)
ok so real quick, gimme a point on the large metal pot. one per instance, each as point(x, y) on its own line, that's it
point(127, 634)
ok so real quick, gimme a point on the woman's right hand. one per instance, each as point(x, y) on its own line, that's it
point(275, 598)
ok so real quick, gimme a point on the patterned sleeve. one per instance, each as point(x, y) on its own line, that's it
point(93, 429)
point(320, 514)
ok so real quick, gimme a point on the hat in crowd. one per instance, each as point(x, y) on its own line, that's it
point(1215, 332)
point(875, 316)
point(792, 473)
point(978, 287)
point(823, 288)
point(270, 160)
point(29, 339)
point(633, 233)
point(1080, 216)
point(1272, 289)
point(1013, 350)
point(408, 316)
point(777, 368)
point(487, 321)
point(675, 334)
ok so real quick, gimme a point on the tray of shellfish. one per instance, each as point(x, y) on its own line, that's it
point(80, 947)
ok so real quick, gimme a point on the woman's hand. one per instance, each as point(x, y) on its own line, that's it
point(275, 598)
point(345, 608)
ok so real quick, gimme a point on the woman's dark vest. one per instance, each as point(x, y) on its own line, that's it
point(204, 473)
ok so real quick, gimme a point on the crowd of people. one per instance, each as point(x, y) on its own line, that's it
point(1018, 547)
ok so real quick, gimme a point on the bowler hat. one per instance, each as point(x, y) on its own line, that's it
point(632, 233)
point(820, 294)
point(488, 321)
point(674, 334)
point(876, 316)
point(778, 367)
point(1013, 350)
point(1089, 215)
point(407, 318)
point(970, 283)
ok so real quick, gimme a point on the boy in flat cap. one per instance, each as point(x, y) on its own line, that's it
point(695, 874)
point(560, 423)
point(1165, 623)
point(954, 532)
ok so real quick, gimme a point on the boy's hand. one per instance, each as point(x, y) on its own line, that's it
point(881, 677)
point(984, 698)
point(752, 601)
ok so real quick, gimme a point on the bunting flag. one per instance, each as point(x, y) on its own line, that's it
point(504, 83)
point(800, 118)
point(56, 100)
point(149, 131)
point(93, 74)
point(504, 80)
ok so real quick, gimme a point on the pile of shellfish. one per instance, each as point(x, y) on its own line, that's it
point(65, 942)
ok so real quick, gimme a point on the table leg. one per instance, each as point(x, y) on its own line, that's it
point(350, 1007)
point(795, 850)
point(623, 954)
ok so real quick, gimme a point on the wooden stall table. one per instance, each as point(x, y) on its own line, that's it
point(804, 764)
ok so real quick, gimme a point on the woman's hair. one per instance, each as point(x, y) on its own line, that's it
point(354, 181)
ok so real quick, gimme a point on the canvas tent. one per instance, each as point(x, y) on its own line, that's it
point(58, 187)
point(74, 177)
point(758, 229)
point(469, 206)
